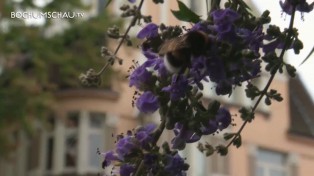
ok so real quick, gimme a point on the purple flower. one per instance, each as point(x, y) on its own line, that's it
point(183, 136)
point(125, 146)
point(108, 158)
point(224, 23)
point(224, 16)
point(301, 6)
point(216, 69)
point(149, 31)
point(149, 128)
point(223, 118)
point(150, 159)
point(127, 170)
point(271, 46)
point(199, 70)
point(162, 70)
point(150, 55)
point(143, 135)
point(253, 69)
point(211, 128)
point(153, 60)
point(226, 32)
point(179, 86)
point(200, 26)
point(274, 43)
point(175, 165)
point(141, 78)
point(131, 1)
point(147, 102)
point(253, 39)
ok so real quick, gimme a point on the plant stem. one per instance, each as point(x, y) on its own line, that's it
point(159, 131)
point(156, 136)
point(132, 23)
point(264, 91)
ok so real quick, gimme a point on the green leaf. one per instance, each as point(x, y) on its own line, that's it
point(277, 97)
point(213, 107)
point(185, 14)
point(308, 56)
point(246, 115)
point(297, 46)
point(291, 70)
point(252, 91)
point(166, 148)
point(200, 147)
point(222, 150)
point(267, 101)
point(237, 141)
point(209, 150)
point(228, 136)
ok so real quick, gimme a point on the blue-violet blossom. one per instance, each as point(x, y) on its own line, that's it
point(147, 102)
point(141, 78)
point(149, 31)
point(175, 165)
point(178, 87)
point(301, 6)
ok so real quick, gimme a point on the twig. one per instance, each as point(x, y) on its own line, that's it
point(134, 19)
point(156, 136)
point(264, 92)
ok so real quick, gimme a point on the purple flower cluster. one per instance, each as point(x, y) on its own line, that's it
point(183, 134)
point(226, 67)
point(141, 78)
point(175, 165)
point(224, 23)
point(144, 78)
point(275, 39)
point(179, 86)
point(133, 148)
point(129, 146)
point(199, 71)
point(230, 57)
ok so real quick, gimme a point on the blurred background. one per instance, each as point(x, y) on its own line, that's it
point(50, 125)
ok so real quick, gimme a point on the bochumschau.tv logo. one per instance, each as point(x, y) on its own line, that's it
point(39, 15)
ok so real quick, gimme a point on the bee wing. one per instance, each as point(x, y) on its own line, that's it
point(173, 45)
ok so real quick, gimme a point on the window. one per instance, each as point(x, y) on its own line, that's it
point(271, 163)
point(71, 140)
point(51, 122)
point(71, 143)
point(95, 138)
point(50, 143)
point(32, 152)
